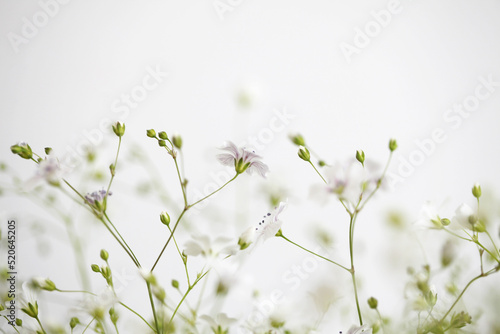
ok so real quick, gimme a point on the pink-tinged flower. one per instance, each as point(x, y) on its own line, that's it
point(242, 160)
point(97, 196)
point(347, 182)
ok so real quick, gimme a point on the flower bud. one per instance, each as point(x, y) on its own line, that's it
point(95, 268)
point(19, 322)
point(459, 320)
point(23, 150)
point(431, 297)
point(445, 221)
point(31, 310)
point(2, 307)
point(393, 145)
point(73, 322)
point(119, 129)
point(298, 140)
point(49, 285)
point(165, 218)
point(151, 133)
point(372, 302)
point(104, 255)
point(304, 154)
point(175, 283)
point(360, 156)
point(163, 135)
point(177, 141)
point(162, 143)
point(476, 190)
point(113, 315)
point(112, 169)
point(47, 150)
point(240, 165)
point(321, 163)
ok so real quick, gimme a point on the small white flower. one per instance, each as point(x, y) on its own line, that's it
point(266, 228)
point(465, 216)
point(220, 324)
point(358, 330)
point(97, 196)
point(49, 170)
point(242, 160)
point(347, 182)
point(203, 245)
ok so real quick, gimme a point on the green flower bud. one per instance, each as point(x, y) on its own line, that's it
point(304, 154)
point(372, 302)
point(184, 258)
point(162, 143)
point(279, 233)
point(23, 150)
point(431, 297)
point(165, 218)
point(298, 140)
point(151, 133)
point(104, 255)
point(321, 163)
point(47, 150)
point(2, 307)
point(445, 221)
point(95, 268)
point(159, 293)
point(175, 283)
point(393, 145)
point(31, 310)
point(476, 190)
point(113, 315)
point(360, 156)
point(177, 141)
point(119, 129)
point(163, 135)
point(112, 169)
point(19, 322)
point(49, 285)
point(73, 322)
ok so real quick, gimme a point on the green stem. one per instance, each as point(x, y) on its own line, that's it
point(315, 254)
point(204, 198)
point(91, 321)
point(180, 181)
point(40, 323)
point(318, 172)
point(492, 242)
point(352, 271)
point(114, 167)
point(150, 294)
point(460, 296)
point(169, 238)
point(119, 241)
point(130, 249)
point(137, 314)
point(8, 321)
point(379, 182)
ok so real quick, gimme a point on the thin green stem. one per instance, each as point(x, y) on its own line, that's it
point(169, 238)
point(114, 166)
point(180, 181)
point(9, 322)
point(119, 241)
point(40, 323)
point(379, 182)
point(492, 242)
point(356, 296)
point(150, 294)
point(180, 254)
point(315, 254)
point(460, 295)
point(352, 271)
point(118, 233)
point(318, 172)
point(204, 198)
point(137, 314)
point(91, 321)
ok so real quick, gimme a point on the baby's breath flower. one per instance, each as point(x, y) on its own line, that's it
point(358, 330)
point(203, 245)
point(23, 150)
point(119, 129)
point(96, 198)
point(220, 324)
point(242, 160)
point(465, 216)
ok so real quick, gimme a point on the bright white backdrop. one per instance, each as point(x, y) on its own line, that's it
point(350, 76)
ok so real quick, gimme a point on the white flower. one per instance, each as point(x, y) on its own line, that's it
point(358, 330)
point(429, 214)
point(347, 182)
point(49, 170)
point(221, 322)
point(465, 216)
point(266, 228)
point(97, 196)
point(203, 245)
point(242, 160)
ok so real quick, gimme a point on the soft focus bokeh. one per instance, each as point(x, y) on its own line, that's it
point(347, 76)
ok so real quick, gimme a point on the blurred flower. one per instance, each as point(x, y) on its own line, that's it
point(358, 330)
point(220, 324)
point(347, 182)
point(242, 160)
point(465, 216)
point(203, 245)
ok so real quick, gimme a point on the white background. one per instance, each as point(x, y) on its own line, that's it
point(58, 86)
